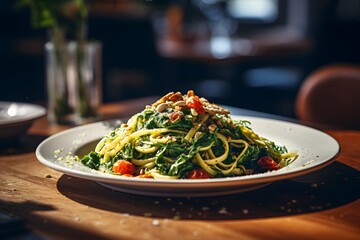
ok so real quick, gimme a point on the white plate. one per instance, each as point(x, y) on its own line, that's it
point(16, 118)
point(316, 150)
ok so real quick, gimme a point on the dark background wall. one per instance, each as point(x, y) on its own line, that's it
point(133, 66)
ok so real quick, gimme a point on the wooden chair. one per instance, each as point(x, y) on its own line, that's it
point(330, 96)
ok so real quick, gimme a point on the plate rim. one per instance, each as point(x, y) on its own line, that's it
point(194, 183)
point(38, 112)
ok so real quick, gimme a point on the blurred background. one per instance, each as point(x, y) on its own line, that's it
point(252, 54)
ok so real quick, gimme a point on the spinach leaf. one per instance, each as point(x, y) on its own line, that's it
point(218, 149)
point(250, 157)
point(128, 151)
point(92, 160)
point(276, 148)
point(205, 140)
point(174, 149)
point(156, 120)
point(161, 165)
point(182, 124)
point(182, 165)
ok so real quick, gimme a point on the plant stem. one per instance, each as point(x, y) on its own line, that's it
point(62, 107)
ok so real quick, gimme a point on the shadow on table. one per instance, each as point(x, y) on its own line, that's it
point(24, 144)
point(331, 187)
point(19, 218)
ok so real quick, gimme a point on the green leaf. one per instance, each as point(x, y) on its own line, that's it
point(205, 140)
point(128, 151)
point(181, 166)
point(250, 157)
point(174, 149)
point(64, 14)
point(92, 160)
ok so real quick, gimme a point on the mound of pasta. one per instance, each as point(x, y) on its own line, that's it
point(185, 136)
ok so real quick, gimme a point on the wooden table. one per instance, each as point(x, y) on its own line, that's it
point(321, 205)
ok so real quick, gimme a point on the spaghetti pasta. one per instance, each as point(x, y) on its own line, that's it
point(182, 134)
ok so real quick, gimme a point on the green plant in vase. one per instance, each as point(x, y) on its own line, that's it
point(66, 21)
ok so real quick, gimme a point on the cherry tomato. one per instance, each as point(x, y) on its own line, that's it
point(198, 174)
point(123, 167)
point(268, 163)
point(196, 104)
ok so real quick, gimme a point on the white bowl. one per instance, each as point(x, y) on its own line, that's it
point(16, 118)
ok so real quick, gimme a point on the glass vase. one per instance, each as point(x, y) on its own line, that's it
point(74, 82)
